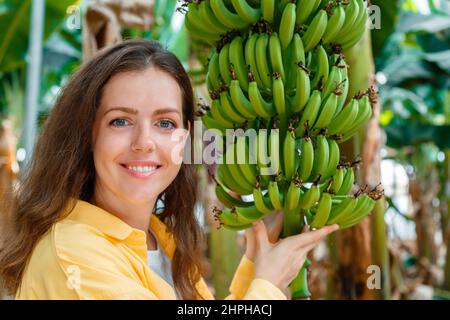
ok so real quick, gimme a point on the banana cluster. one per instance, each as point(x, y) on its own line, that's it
point(336, 22)
point(279, 66)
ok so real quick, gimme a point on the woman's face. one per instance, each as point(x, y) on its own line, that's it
point(134, 136)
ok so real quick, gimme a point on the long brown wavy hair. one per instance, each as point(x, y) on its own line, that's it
point(62, 167)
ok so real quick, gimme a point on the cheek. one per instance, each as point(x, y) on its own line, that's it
point(108, 146)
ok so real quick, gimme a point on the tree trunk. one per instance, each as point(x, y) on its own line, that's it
point(446, 225)
point(352, 273)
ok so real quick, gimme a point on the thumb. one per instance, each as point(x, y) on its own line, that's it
point(261, 233)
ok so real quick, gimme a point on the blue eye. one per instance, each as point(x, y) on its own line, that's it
point(167, 124)
point(118, 122)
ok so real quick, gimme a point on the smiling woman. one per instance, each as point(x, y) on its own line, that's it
point(84, 224)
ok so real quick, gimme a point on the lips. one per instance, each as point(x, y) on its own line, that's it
point(141, 169)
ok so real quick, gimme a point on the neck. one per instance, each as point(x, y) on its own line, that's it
point(136, 215)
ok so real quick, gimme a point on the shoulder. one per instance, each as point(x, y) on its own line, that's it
point(76, 243)
point(75, 260)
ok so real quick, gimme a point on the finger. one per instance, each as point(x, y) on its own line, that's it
point(250, 235)
point(310, 247)
point(275, 230)
point(261, 233)
point(308, 238)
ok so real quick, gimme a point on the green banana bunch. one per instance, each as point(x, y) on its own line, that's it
point(279, 65)
point(227, 199)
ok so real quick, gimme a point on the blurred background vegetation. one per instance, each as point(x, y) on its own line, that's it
point(410, 56)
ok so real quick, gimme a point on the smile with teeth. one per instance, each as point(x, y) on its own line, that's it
point(142, 169)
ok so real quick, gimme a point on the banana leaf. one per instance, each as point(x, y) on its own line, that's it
point(389, 15)
point(15, 25)
point(415, 22)
point(412, 134)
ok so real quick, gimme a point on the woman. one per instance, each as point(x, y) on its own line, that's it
point(84, 219)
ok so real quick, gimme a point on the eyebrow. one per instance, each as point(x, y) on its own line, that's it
point(134, 111)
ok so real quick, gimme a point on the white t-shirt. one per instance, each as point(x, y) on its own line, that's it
point(159, 262)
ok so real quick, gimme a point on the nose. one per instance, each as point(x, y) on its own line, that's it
point(143, 140)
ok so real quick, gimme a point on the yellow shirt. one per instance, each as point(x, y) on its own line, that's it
point(92, 254)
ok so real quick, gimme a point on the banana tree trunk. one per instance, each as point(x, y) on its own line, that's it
point(222, 243)
point(446, 227)
point(422, 195)
point(367, 240)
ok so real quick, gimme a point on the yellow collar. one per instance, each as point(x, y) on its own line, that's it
point(114, 227)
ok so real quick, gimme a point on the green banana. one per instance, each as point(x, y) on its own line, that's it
point(216, 113)
point(364, 209)
point(238, 62)
point(251, 214)
point(347, 183)
point(321, 156)
point(210, 20)
point(358, 29)
point(302, 91)
point(228, 200)
point(278, 95)
point(225, 178)
point(246, 12)
point(228, 108)
point(335, 23)
point(326, 112)
point(275, 195)
point(351, 14)
point(310, 197)
point(234, 169)
point(344, 120)
point(290, 155)
point(334, 79)
point(250, 58)
point(224, 64)
point(262, 60)
point(275, 150)
point(225, 16)
point(276, 58)
point(268, 10)
point(299, 286)
point(306, 159)
point(244, 159)
point(231, 220)
point(304, 10)
point(213, 74)
point(310, 113)
point(196, 28)
point(334, 157)
point(322, 66)
point(212, 123)
point(364, 114)
point(287, 25)
point(323, 211)
point(263, 108)
point(240, 101)
point(315, 30)
point(338, 178)
point(298, 50)
point(262, 203)
point(342, 210)
point(344, 87)
point(293, 195)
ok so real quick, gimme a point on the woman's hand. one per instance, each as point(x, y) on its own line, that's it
point(274, 224)
point(279, 261)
